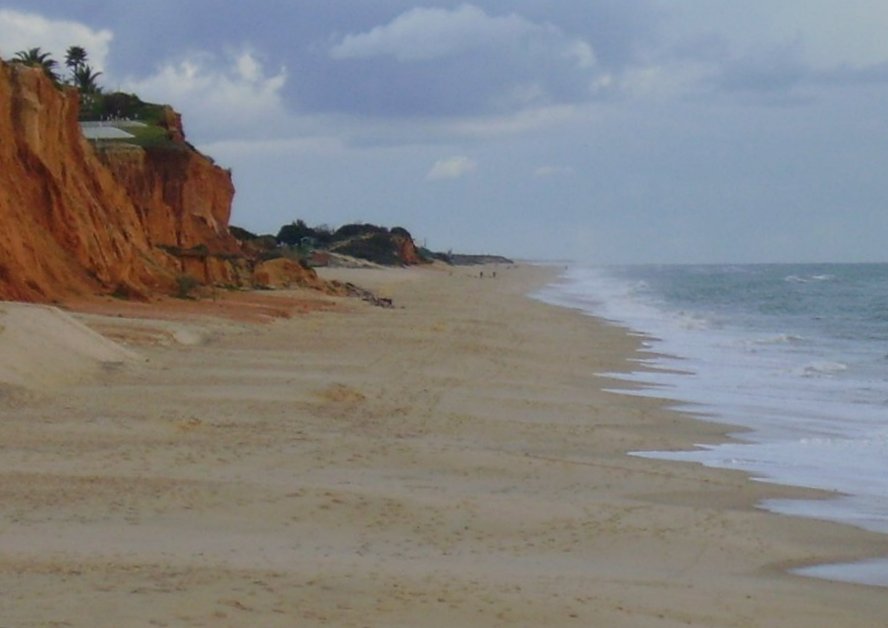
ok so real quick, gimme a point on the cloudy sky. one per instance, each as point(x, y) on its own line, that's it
point(612, 131)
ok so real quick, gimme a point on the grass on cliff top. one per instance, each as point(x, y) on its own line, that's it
point(144, 137)
point(118, 105)
point(149, 136)
point(121, 106)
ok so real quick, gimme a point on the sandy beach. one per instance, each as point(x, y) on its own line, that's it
point(453, 461)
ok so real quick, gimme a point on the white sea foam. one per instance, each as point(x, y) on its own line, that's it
point(808, 279)
point(872, 572)
point(779, 339)
point(821, 368)
point(777, 353)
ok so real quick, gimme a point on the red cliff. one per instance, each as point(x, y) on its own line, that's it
point(406, 248)
point(68, 227)
point(183, 197)
point(122, 219)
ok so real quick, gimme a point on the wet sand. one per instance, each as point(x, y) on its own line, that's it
point(451, 462)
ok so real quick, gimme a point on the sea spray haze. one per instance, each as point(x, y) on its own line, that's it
point(797, 354)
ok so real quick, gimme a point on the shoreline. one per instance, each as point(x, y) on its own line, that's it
point(828, 501)
point(453, 461)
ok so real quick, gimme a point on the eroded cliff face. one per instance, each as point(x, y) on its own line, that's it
point(68, 228)
point(76, 220)
point(407, 249)
point(183, 198)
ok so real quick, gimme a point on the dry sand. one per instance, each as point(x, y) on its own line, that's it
point(451, 462)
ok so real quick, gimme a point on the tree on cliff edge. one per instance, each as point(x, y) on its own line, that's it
point(36, 58)
point(85, 79)
point(82, 74)
point(75, 57)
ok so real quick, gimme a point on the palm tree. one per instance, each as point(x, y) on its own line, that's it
point(75, 57)
point(35, 58)
point(85, 79)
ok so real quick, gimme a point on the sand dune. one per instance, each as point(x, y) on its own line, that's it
point(43, 347)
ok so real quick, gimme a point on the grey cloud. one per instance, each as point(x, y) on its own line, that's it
point(851, 75)
point(389, 59)
point(780, 76)
point(429, 33)
point(149, 34)
point(431, 62)
point(774, 70)
point(622, 32)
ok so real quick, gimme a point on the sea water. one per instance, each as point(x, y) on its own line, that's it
point(795, 354)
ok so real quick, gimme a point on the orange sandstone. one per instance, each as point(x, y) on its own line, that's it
point(125, 219)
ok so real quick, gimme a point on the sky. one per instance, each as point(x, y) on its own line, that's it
point(602, 131)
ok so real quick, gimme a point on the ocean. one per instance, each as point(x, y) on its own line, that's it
point(797, 355)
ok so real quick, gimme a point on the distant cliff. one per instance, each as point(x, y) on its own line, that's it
point(121, 219)
point(362, 241)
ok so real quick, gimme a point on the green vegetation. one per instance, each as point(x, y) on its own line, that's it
point(95, 104)
point(346, 232)
point(185, 286)
point(377, 247)
point(362, 240)
point(122, 106)
point(151, 130)
point(123, 292)
point(85, 80)
point(75, 57)
point(200, 251)
point(298, 232)
point(82, 76)
point(36, 58)
point(242, 234)
point(298, 241)
point(151, 136)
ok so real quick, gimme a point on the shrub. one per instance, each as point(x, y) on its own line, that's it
point(241, 234)
point(185, 286)
point(122, 105)
point(377, 248)
point(350, 231)
point(293, 233)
